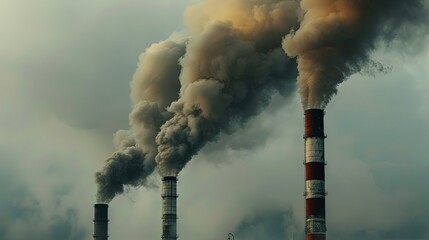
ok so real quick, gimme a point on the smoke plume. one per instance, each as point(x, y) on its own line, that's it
point(231, 61)
point(231, 68)
point(336, 37)
point(186, 92)
point(154, 86)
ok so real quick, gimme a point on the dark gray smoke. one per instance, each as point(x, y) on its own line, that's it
point(130, 166)
point(183, 98)
point(155, 85)
point(229, 73)
point(231, 62)
point(225, 81)
point(336, 37)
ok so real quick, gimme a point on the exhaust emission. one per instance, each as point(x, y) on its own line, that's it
point(315, 225)
point(100, 221)
point(169, 208)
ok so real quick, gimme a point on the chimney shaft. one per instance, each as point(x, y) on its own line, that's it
point(100, 221)
point(315, 226)
point(169, 208)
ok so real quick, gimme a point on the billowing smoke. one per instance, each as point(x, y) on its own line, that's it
point(229, 72)
point(232, 60)
point(155, 85)
point(186, 92)
point(336, 37)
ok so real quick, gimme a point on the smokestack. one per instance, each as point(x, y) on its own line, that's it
point(100, 221)
point(315, 226)
point(169, 208)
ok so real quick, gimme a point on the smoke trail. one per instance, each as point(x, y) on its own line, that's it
point(336, 37)
point(186, 93)
point(229, 72)
point(155, 85)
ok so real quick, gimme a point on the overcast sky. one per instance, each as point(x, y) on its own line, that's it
point(65, 72)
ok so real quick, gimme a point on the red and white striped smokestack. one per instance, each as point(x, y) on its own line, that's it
point(169, 208)
point(315, 226)
point(101, 220)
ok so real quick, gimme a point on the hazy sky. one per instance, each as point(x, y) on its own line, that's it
point(65, 70)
